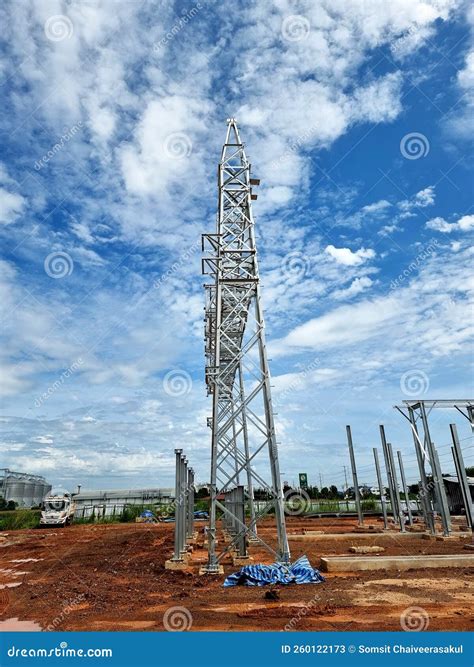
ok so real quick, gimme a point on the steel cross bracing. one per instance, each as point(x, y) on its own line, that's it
point(417, 412)
point(237, 373)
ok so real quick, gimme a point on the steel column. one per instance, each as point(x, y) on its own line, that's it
point(183, 504)
point(354, 476)
point(190, 505)
point(462, 477)
point(391, 490)
point(381, 488)
point(404, 486)
point(401, 516)
point(440, 491)
point(425, 494)
point(177, 513)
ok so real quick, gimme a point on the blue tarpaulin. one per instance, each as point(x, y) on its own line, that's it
point(299, 572)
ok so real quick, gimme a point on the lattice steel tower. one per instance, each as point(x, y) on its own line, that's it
point(237, 373)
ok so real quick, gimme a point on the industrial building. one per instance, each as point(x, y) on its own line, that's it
point(108, 503)
point(454, 493)
point(25, 489)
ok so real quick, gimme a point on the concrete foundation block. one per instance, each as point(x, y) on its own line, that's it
point(242, 560)
point(401, 563)
point(367, 550)
point(176, 565)
point(203, 571)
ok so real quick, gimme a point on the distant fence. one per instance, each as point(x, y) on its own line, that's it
point(339, 506)
point(116, 511)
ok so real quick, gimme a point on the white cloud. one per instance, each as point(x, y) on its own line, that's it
point(376, 207)
point(426, 310)
point(464, 224)
point(357, 286)
point(439, 225)
point(12, 204)
point(346, 257)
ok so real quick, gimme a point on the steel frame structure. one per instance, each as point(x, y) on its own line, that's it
point(417, 413)
point(237, 372)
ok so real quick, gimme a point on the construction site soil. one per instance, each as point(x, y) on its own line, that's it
point(113, 577)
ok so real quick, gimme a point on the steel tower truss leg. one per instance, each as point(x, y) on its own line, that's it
point(237, 371)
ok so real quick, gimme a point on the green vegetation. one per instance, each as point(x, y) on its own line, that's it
point(4, 505)
point(18, 519)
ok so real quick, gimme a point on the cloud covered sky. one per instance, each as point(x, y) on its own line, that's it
point(357, 116)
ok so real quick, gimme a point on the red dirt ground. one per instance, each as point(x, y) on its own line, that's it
point(112, 577)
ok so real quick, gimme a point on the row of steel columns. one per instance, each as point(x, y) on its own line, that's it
point(436, 485)
point(183, 506)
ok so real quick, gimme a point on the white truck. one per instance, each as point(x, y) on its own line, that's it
point(58, 510)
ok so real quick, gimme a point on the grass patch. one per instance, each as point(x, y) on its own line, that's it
point(18, 519)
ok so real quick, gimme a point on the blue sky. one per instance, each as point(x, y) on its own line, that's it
point(357, 117)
